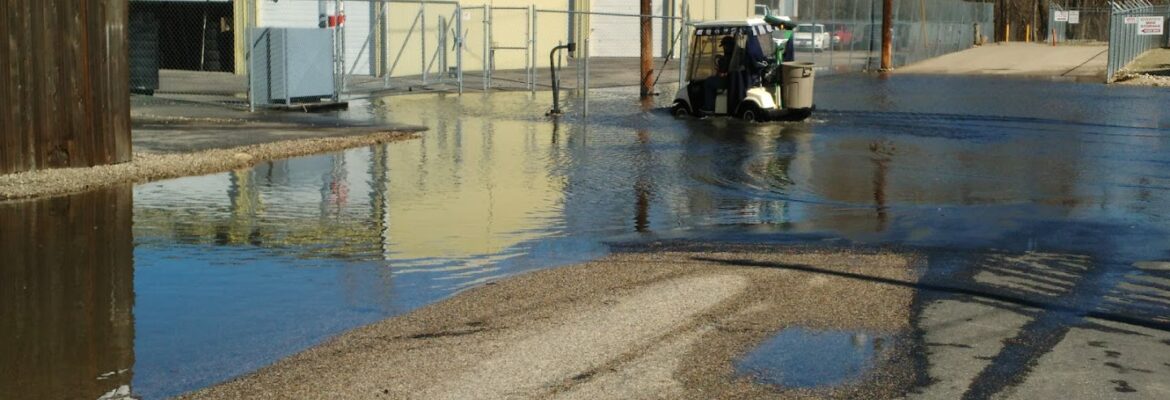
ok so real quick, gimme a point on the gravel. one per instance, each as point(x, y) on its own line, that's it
point(663, 323)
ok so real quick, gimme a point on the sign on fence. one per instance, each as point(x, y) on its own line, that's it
point(1130, 20)
point(1149, 25)
point(1061, 16)
point(1074, 17)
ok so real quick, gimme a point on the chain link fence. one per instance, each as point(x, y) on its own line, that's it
point(203, 49)
point(1136, 27)
point(1078, 24)
point(922, 29)
point(176, 45)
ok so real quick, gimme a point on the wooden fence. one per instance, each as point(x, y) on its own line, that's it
point(64, 84)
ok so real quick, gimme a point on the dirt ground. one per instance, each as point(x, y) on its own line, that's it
point(655, 324)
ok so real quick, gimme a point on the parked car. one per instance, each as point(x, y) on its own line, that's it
point(811, 36)
point(842, 35)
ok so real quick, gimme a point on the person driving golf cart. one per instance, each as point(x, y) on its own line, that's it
point(734, 70)
point(718, 80)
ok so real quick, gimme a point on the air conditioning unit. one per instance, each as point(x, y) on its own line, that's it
point(291, 65)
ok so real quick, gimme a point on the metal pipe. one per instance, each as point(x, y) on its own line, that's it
point(585, 92)
point(607, 14)
point(535, 64)
point(484, 70)
point(556, 87)
point(422, 14)
point(459, 43)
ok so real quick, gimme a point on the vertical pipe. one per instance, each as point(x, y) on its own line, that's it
point(442, 48)
point(647, 52)
point(341, 40)
point(484, 70)
point(491, 42)
point(422, 30)
point(385, 47)
point(459, 45)
point(585, 93)
point(535, 64)
point(529, 51)
point(684, 45)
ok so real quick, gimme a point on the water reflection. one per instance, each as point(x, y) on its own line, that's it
point(66, 296)
point(803, 358)
point(233, 271)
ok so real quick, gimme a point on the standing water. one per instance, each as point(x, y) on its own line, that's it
point(175, 285)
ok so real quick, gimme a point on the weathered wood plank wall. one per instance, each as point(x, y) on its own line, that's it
point(64, 84)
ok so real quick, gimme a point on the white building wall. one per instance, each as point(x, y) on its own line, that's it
point(615, 36)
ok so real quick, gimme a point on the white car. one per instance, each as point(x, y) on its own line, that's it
point(811, 36)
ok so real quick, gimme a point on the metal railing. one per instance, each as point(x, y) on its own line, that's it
point(1136, 26)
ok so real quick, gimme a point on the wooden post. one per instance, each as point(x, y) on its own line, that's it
point(647, 51)
point(64, 84)
point(887, 35)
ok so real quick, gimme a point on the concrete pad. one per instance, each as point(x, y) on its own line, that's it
point(961, 339)
point(1102, 364)
point(1018, 59)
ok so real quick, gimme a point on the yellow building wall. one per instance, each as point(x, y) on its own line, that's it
point(508, 28)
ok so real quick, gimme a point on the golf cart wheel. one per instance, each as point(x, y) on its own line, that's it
point(679, 110)
point(750, 113)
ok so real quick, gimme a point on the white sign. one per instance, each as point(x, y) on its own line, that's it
point(1061, 16)
point(1149, 25)
point(1074, 17)
point(1130, 20)
point(467, 15)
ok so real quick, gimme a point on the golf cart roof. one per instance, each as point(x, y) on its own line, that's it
point(755, 25)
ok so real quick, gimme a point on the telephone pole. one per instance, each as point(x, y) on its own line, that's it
point(647, 51)
point(887, 35)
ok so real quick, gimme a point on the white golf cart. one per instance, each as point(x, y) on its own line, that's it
point(733, 65)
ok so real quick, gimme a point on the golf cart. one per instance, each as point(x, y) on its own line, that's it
point(733, 65)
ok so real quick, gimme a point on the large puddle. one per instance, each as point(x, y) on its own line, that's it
point(171, 286)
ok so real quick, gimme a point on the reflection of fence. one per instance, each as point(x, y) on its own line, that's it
point(1135, 27)
point(922, 29)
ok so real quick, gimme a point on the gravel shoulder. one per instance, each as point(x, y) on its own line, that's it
point(667, 323)
point(173, 139)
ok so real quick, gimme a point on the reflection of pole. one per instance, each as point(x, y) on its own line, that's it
point(642, 189)
point(647, 68)
point(881, 160)
point(887, 34)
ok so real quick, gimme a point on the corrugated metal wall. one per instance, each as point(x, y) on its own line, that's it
point(64, 92)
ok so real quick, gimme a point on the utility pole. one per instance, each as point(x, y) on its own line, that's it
point(647, 52)
point(887, 35)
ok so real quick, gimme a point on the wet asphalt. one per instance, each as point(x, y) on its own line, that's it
point(1039, 207)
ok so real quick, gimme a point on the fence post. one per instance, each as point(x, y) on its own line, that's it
point(459, 45)
point(422, 30)
point(684, 50)
point(486, 61)
point(442, 48)
point(385, 47)
point(529, 51)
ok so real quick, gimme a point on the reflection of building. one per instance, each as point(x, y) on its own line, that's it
point(466, 192)
point(66, 296)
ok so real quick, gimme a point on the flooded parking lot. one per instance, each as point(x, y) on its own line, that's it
point(1041, 210)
